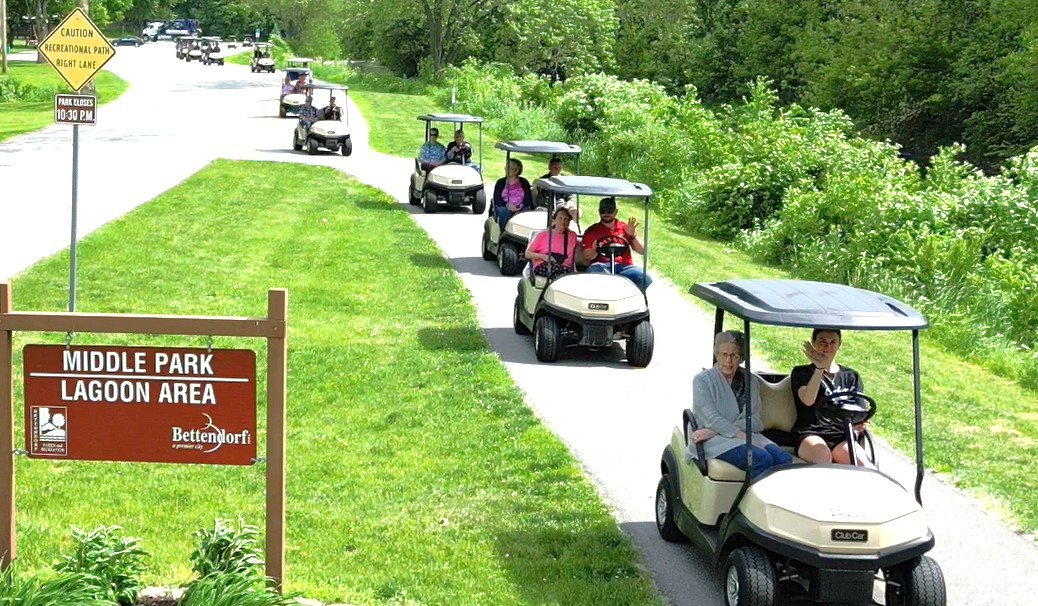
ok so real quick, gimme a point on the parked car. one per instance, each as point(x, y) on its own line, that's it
point(128, 41)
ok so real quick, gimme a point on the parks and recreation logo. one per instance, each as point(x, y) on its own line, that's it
point(208, 438)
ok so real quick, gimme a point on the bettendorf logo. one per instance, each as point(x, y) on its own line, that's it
point(209, 438)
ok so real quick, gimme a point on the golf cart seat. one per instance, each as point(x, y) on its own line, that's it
point(778, 413)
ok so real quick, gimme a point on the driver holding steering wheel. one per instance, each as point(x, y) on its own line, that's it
point(610, 229)
point(819, 440)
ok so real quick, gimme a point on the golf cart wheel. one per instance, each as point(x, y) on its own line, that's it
point(281, 112)
point(640, 345)
point(916, 583)
point(665, 512)
point(429, 201)
point(508, 259)
point(546, 338)
point(347, 147)
point(311, 145)
point(296, 143)
point(517, 323)
point(750, 578)
point(487, 254)
point(413, 198)
point(479, 205)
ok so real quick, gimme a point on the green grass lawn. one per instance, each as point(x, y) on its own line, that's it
point(972, 437)
point(416, 473)
point(21, 116)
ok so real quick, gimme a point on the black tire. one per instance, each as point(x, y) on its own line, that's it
point(487, 254)
point(916, 583)
point(347, 147)
point(479, 205)
point(520, 328)
point(413, 197)
point(749, 578)
point(546, 338)
point(640, 345)
point(311, 146)
point(429, 202)
point(297, 145)
point(665, 512)
point(508, 259)
point(281, 112)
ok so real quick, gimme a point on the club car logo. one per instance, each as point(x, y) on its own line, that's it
point(208, 438)
point(852, 535)
point(598, 306)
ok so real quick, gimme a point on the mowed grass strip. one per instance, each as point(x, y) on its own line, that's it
point(416, 474)
point(21, 116)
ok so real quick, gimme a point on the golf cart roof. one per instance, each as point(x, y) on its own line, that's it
point(299, 60)
point(188, 38)
point(465, 118)
point(323, 86)
point(297, 70)
point(217, 38)
point(264, 44)
point(594, 186)
point(538, 147)
point(809, 304)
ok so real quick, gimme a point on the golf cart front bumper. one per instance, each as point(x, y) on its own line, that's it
point(832, 577)
point(596, 332)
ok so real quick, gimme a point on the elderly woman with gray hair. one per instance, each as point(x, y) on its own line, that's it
point(721, 398)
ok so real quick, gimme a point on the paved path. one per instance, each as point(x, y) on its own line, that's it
point(616, 420)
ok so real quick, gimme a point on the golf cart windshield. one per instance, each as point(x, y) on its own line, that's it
point(325, 93)
point(457, 120)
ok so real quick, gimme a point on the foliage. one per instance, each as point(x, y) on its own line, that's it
point(62, 589)
point(116, 561)
point(229, 589)
point(228, 548)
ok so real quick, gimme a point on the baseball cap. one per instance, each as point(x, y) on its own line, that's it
point(607, 204)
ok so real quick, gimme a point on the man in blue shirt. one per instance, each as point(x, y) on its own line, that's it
point(308, 113)
point(432, 152)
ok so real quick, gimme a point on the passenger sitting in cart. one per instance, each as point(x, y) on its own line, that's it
point(331, 111)
point(460, 151)
point(432, 153)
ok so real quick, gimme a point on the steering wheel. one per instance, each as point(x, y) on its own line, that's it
point(843, 405)
point(612, 246)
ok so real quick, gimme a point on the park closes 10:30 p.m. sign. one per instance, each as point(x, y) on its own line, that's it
point(147, 404)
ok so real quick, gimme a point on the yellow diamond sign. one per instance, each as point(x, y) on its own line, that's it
point(76, 48)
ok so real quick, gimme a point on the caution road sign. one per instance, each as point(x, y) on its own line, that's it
point(77, 49)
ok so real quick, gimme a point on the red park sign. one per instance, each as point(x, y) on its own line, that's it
point(146, 404)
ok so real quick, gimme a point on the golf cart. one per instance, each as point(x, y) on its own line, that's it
point(184, 44)
point(211, 52)
point(456, 184)
point(246, 41)
point(291, 103)
point(587, 309)
point(193, 49)
point(261, 61)
point(329, 131)
point(855, 523)
point(507, 247)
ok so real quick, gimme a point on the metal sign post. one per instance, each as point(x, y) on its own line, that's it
point(77, 49)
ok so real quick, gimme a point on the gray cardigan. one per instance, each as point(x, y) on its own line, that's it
point(714, 406)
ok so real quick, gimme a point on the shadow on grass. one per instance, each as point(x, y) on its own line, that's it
point(383, 206)
point(431, 260)
point(579, 561)
point(457, 338)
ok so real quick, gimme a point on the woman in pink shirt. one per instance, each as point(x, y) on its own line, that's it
point(511, 193)
point(552, 251)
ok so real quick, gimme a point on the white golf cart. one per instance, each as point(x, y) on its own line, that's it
point(330, 131)
point(192, 49)
point(261, 61)
point(211, 51)
point(455, 184)
point(291, 103)
point(587, 309)
point(507, 247)
point(854, 523)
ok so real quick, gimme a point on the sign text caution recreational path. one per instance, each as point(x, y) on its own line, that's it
point(147, 404)
point(77, 49)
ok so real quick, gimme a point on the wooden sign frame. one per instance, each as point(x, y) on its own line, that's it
point(273, 328)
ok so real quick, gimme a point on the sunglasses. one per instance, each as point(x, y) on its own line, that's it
point(607, 211)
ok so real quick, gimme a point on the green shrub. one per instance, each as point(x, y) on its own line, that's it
point(228, 548)
point(62, 589)
point(229, 589)
point(116, 561)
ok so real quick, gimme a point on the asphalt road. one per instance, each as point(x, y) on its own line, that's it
point(176, 117)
